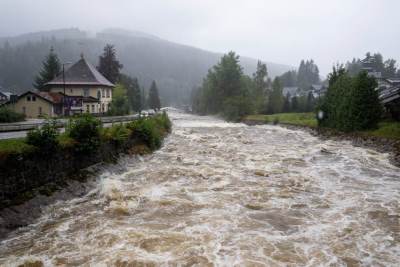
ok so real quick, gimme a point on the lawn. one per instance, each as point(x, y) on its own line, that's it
point(386, 129)
point(301, 119)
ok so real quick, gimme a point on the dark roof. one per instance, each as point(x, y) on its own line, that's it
point(53, 98)
point(81, 73)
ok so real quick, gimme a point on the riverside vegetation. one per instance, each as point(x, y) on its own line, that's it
point(47, 157)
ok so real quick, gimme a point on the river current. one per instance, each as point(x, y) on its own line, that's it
point(223, 194)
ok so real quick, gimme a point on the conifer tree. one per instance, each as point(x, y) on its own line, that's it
point(109, 66)
point(154, 99)
point(51, 68)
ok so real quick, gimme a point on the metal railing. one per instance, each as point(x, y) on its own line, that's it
point(14, 127)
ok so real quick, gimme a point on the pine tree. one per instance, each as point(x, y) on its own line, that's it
point(154, 99)
point(109, 66)
point(51, 68)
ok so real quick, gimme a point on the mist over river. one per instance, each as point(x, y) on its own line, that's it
point(223, 194)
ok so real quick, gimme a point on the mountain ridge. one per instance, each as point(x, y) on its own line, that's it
point(177, 68)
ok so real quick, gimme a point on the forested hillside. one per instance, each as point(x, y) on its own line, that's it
point(176, 68)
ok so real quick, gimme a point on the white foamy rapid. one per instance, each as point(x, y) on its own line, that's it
point(221, 194)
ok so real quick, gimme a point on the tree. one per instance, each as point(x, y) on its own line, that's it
point(286, 104)
point(310, 104)
point(275, 101)
point(307, 75)
point(351, 103)
point(295, 104)
point(109, 66)
point(120, 103)
point(289, 78)
point(51, 68)
point(260, 86)
point(223, 81)
point(133, 92)
point(154, 99)
point(365, 107)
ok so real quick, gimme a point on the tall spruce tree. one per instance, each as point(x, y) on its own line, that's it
point(51, 68)
point(154, 99)
point(109, 66)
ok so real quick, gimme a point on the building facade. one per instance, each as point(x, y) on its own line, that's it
point(37, 104)
point(84, 89)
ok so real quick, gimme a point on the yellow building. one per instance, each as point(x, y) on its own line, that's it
point(37, 104)
point(84, 81)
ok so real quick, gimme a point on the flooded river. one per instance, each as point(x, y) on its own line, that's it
point(221, 194)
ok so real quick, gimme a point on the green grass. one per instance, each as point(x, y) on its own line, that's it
point(17, 145)
point(301, 119)
point(386, 129)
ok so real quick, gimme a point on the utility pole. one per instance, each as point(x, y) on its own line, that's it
point(63, 78)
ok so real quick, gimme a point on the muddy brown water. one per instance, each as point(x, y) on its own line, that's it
point(221, 194)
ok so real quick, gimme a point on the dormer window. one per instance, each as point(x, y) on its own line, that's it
point(28, 98)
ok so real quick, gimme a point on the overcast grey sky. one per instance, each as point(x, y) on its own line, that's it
point(282, 31)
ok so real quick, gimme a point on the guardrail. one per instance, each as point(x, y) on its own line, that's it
point(14, 127)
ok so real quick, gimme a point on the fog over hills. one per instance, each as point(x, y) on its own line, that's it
point(175, 67)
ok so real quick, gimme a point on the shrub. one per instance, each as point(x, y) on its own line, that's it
point(85, 130)
point(146, 131)
point(44, 138)
point(164, 122)
point(8, 115)
point(276, 120)
point(117, 134)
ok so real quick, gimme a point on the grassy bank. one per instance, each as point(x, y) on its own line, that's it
point(386, 129)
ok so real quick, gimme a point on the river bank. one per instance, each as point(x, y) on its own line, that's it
point(306, 122)
point(31, 179)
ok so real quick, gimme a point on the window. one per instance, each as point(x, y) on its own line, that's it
point(87, 108)
point(93, 110)
point(40, 111)
point(28, 98)
point(108, 93)
point(98, 94)
point(103, 92)
point(103, 108)
point(86, 92)
point(70, 90)
point(33, 98)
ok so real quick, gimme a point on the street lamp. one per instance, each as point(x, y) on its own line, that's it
point(63, 78)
